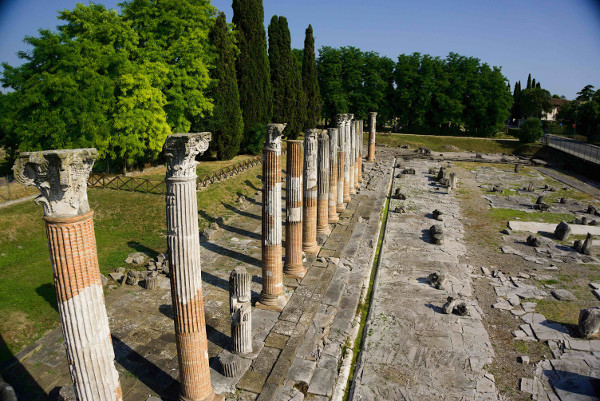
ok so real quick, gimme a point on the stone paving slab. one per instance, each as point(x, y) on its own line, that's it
point(536, 227)
point(411, 349)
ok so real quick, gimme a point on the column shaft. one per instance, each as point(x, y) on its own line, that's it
point(356, 151)
point(352, 159)
point(323, 185)
point(347, 165)
point(309, 218)
point(372, 130)
point(333, 175)
point(341, 155)
point(360, 151)
point(293, 230)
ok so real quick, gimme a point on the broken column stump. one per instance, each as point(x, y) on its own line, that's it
point(240, 309)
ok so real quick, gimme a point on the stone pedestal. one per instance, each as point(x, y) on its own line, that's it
point(372, 129)
point(183, 240)
point(347, 159)
point(323, 184)
point(61, 176)
point(272, 296)
point(341, 155)
point(352, 159)
point(332, 216)
point(360, 150)
point(241, 311)
point(293, 266)
point(309, 222)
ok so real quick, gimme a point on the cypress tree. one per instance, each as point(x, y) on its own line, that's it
point(226, 123)
point(533, 84)
point(529, 82)
point(538, 85)
point(253, 72)
point(310, 82)
point(284, 78)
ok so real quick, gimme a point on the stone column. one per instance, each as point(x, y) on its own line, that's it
point(309, 217)
point(183, 240)
point(241, 310)
point(356, 152)
point(341, 155)
point(61, 176)
point(372, 129)
point(272, 296)
point(293, 230)
point(347, 160)
point(352, 159)
point(360, 150)
point(323, 185)
point(333, 173)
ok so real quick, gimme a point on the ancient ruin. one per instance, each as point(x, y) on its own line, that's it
point(341, 164)
point(293, 265)
point(61, 177)
point(309, 215)
point(372, 133)
point(323, 172)
point(332, 216)
point(241, 311)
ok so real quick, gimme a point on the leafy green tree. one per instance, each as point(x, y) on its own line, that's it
point(253, 71)
point(226, 123)
point(586, 93)
point(310, 81)
point(535, 101)
point(287, 90)
point(299, 56)
point(175, 33)
point(588, 119)
point(335, 98)
point(531, 130)
point(515, 110)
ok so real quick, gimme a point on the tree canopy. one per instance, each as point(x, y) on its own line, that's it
point(310, 82)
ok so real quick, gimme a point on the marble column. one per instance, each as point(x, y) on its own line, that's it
point(61, 176)
point(272, 296)
point(323, 184)
point(372, 129)
point(347, 156)
point(352, 189)
point(309, 217)
point(340, 120)
point(356, 152)
point(360, 151)
point(183, 240)
point(332, 216)
point(240, 309)
point(293, 266)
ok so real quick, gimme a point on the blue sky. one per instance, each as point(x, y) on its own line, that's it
point(557, 41)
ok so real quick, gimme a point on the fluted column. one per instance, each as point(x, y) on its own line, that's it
point(183, 240)
point(332, 216)
point(293, 230)
point(323, 184)
point(372, 129)
point(309, 217)
point(61, 176)
point(356, 151)
point(352, 189)
point(241, 310)
point(341, 155)
point(272, 296)
point(347, 156)
point(360, 150)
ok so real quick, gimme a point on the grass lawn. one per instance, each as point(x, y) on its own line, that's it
point(125, 222)
point(454, 144)
point(204, 167)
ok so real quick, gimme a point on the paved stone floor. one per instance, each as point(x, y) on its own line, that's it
point(412, 350)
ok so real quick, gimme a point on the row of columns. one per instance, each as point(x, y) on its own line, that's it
point(319, 183)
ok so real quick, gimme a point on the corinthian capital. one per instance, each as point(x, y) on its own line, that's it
point(61, 176)
point(340, 118)
point(273, 138)
point(181, 150)
point(373, 114)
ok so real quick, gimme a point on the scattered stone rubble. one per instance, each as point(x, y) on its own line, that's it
point(437, 280)
point(436, 233)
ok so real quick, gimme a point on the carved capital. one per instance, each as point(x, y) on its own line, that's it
point(181, 150)
point(350, 117)
point(373, 114)
point(273, 138)
point(340, 118)
point(61, 176)
point(333, 135)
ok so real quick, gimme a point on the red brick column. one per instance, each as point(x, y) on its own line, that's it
point(347, 156)
point(333, 174)
point(323, 184)
point(309, 217)
point(184, 258)
point(341, 125)
point(61, 176)
point(353, 175)
point(356, 136)
point(293, 266)
point(272, 296)
point(360, 151)
point(372, 129)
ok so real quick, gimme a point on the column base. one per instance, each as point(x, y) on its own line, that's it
point(352, 190)
point(212, 397)
point(275, 304)
point(371, 160)
point(340, 207)
point(323, 230)
point(311, 249)
point(347, 198)
point(333, 218)
point(294, 271)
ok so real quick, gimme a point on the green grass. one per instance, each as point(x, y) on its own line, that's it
point(125, 222)
point(446, 144)
point(203, 168)
point(502, 216)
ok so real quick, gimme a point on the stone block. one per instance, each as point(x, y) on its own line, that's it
point(301, 370)
point(252, 381)
point(322, 382)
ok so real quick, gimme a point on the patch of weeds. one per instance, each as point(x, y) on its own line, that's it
point(302, 387)
point(551, 281)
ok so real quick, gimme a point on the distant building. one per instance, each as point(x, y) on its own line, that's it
point(556, 105)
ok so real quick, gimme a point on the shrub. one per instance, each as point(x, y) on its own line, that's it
point(254, 141)
point(531, 130)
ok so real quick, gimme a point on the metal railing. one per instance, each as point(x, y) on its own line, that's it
point(578, 149)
